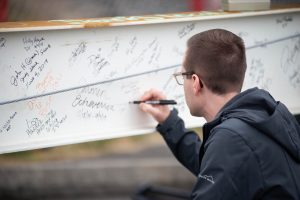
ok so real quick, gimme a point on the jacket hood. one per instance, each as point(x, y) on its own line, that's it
point(257, 108)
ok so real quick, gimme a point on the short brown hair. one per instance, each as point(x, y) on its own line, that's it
point(218, 57)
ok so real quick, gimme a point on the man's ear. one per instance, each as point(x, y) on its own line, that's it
point(197, 83)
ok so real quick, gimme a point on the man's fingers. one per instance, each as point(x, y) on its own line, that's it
point(146, 96)
point(158, 112)
point(152, 94)
point(152, 110)
point(147, 108)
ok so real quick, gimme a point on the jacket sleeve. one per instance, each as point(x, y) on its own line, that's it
point(184, 144)
point(229, 169)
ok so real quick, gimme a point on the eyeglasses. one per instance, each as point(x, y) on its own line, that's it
point(179, 76)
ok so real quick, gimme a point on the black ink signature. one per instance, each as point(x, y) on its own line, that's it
point(115, 47)
point(48, 124)
point(98, 62)
point(262, 43)
point(284, 21)
point(92, 91)
point(7, 125)
point(80, 101)
point(2, 42)
point(78, 51)
point(257, 74)
point(290, 55)
point(15, 77)
point(290, 62)
point(85, 114)
point(28, 61)
point(35, 42)
point(32, 65)
point(132, 45)
point(44, 50)
point(243, 34)
point(143, 55)
point(186, 30)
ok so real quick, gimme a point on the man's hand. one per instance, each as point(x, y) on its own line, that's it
point(159, 112)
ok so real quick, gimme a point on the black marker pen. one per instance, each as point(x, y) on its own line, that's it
point(155, 102)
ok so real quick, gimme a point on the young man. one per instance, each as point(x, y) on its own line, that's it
point(251, 143)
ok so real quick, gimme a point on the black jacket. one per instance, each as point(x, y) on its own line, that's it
point(251, 150)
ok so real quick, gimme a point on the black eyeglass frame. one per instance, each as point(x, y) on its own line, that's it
point(182, 74)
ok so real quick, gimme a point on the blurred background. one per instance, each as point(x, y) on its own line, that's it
point(111, 169)
point(32, 10)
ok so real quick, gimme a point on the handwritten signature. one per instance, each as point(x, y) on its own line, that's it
point(2, 42)
point(290, 62)
point(132, 45)
point(98, 62)
point(32, 65)
point(7, 125)
point(27, 77)
point(35, 42)
point(77, 52)
point(186, 30)
point(257, 74)
point(50, 123)
point(80, 101)
point(284, 21)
